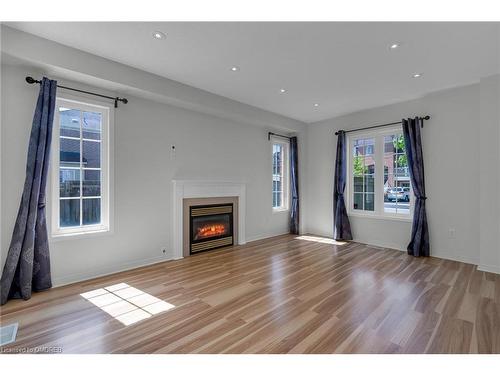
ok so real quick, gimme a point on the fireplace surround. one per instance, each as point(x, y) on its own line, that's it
point(187, 193)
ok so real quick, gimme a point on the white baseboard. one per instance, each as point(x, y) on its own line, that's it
point(456, 258)
point(387, 245)
point(106, 271)
point(487, 268)
point(263, 237)
point(435, 254)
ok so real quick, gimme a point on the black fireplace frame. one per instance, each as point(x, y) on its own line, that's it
point(191, 228)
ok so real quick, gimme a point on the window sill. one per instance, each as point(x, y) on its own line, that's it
point(56, 237)
point(407, 219)
point(278, 210)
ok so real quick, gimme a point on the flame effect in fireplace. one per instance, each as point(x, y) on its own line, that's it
point(210, 230)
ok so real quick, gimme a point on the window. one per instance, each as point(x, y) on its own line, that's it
point(280, 174)
point(80, 168)
point(379, 180)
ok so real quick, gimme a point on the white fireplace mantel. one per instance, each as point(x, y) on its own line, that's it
point(205, 189)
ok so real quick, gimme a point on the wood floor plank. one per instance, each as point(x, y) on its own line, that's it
point(452, 336)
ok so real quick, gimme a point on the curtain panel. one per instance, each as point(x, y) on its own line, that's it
point(294, 186)
point(27, 267)
point(342, 226)
point(419, 242)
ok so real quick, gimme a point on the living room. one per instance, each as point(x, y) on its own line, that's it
point(250, 187)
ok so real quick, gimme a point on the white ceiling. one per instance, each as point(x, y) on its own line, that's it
point(344, 67)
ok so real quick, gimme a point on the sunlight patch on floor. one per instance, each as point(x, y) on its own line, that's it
point(125, 303)
point(330, 241)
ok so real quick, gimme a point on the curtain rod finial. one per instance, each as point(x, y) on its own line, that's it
point(31, 80)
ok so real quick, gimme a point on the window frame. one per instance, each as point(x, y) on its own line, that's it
point(379, 213)
point(286, 174)
point(107, 116)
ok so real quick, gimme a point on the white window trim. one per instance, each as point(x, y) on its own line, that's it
point(379, 212)
point(57, 233)
point(286, 174)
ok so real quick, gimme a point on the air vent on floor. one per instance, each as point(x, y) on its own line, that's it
point(8, 334)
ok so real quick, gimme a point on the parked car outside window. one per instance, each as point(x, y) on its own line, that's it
point(399, 194)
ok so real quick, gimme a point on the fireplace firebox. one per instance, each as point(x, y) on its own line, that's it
point(211, 227)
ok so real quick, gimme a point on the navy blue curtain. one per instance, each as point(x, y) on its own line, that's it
point(419, 243)
point(27, 267)
point(342, 226)
point(294, 187)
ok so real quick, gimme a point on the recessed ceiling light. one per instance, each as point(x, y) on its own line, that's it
point(394, 46)
point(282, 91)
point(316, 104)
point(235, 69)
point(417, 75)
point(158, 35)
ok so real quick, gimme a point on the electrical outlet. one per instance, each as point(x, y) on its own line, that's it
point(451, 233)
point(164, 250)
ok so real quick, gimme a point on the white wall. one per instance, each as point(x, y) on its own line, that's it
point(451, 142)
point(208, 147)
point(489, 137)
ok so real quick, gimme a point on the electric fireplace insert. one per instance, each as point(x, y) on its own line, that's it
point(211, 227)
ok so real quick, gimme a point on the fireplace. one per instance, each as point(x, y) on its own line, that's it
point(210, 227)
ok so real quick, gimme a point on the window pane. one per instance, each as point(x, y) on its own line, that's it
point(91, 154)
point(278, 177)
point(91, 126)
point(404, 206)
point(69, 212)
point(389, 162)
point(369, 202)
point(363, 170)
point(401, 163)
point(70, 122)
point(389, 144)
point(369, 165)
point(396, 176)
point(277, 158)
point(91, 211)
point(91, 183)
point(369, 149)
point(358, 184)
point(358, 167)
point(369, 183)
point(399, 143)
point(364, 147)
point(69, 182)
point(358, 201)
point(388, 185)
point(69, 153)
point(278, 199)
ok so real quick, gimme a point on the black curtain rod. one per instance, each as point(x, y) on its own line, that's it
point(31, 81)
point(427, 117)
point(276, 135)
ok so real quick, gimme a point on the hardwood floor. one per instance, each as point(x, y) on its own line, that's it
point(279, 295)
